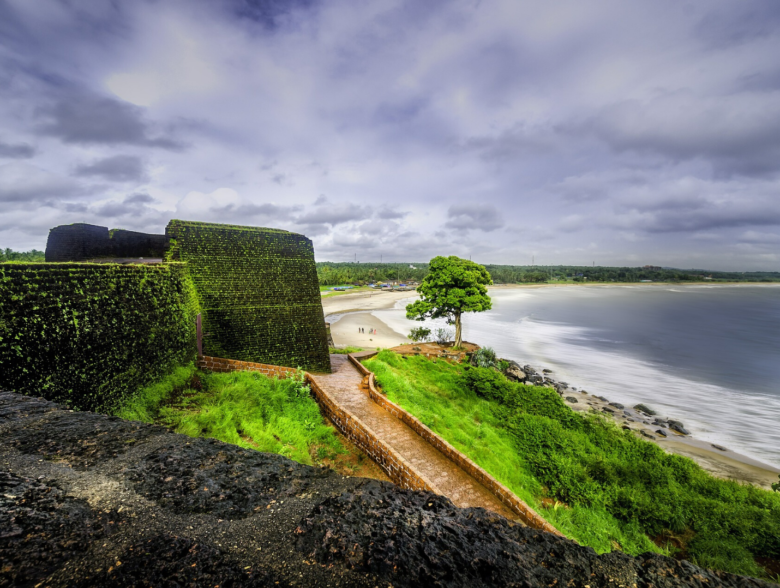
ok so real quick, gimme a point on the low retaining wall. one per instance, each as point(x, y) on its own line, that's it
point(395, 466)
point(219, 364)
point(504, 494)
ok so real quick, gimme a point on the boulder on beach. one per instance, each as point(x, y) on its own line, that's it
point(515, 374)
point(678, 427)
point(617, 405)
point(571, 399)
point(645, 409)
point(662, 433)
point(719, 447)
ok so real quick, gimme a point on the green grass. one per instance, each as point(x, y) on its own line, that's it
point(244, 408)
point(601, 485)
point(345, 350)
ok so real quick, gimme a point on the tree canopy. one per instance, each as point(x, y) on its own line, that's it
point(453, 286)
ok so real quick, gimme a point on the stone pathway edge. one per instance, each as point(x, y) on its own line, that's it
point(393, 464)
point(528, 515)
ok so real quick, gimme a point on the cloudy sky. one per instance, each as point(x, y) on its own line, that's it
point(576, 131)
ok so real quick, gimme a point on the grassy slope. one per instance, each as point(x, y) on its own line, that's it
point(614, 489)
point(243, 408)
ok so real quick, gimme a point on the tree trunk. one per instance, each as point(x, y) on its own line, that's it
point(458, 331)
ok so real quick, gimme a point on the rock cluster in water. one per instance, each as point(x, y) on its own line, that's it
point(88, 500)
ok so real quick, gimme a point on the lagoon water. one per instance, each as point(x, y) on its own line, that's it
point(706, 355)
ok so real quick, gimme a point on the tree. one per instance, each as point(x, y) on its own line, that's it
point(453, 286)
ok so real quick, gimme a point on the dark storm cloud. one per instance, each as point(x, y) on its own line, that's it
point(388, 213)
point(484, 217)
point(269, 13)
point(739, 23)
point(118, 168)
point(334, 214)
point(86, 118)
point(133, 205)
point(25, 184)
point(737, 135)
point(139, 198)
point(16, 151)
point(704, 218)
point(249, 210)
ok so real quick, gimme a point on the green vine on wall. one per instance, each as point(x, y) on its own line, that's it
point(258, 292)
point(90, 335)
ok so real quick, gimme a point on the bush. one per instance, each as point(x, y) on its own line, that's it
point(442, 335)
point(484, 357)
point(419, 334)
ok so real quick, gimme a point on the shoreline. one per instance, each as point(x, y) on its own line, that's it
point(638, 284)
point(355, 310)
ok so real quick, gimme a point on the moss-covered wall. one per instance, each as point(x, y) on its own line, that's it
point(258, 292)
point(89, 335)
point(81, 241)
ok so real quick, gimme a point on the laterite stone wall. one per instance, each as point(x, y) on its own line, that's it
point(222, 365)
point(258, 292)
point(91, 335)
point(82, 241)
point(396, 467)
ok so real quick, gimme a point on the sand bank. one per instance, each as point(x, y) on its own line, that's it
point(345, 332)
point(349, 312)
point(358, 301)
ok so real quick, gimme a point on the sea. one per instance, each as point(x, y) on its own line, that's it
point(706, 355)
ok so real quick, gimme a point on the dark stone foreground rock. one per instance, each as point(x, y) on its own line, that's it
point(89, 500)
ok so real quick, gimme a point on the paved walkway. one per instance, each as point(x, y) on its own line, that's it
point(344, 386)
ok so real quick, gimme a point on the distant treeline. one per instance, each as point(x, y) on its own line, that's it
point(11, 255)
point(331, 274)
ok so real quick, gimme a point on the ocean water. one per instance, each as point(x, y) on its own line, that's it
point(706, 355)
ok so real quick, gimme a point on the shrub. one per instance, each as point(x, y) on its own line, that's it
point(484, 357)
point(442, 335)
point(419, 334)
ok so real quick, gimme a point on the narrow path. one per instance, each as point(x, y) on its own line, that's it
point(343, 385)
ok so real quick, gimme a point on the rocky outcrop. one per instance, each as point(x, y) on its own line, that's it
point(89, 500)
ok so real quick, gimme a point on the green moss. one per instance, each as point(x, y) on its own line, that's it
point(258, 292)
point(90, 335)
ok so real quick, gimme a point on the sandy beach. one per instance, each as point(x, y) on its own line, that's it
point(350, 312)
point(353, 311)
